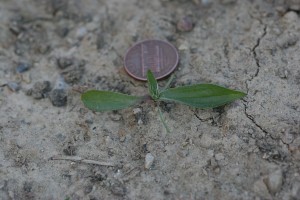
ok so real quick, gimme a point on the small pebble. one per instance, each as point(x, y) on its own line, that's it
point(14, 27)
point(118, 189)
point(219, 156)
point(287, 40)
point(290, 17)
point(58, 97)
point(40, 89)
point(217, 170)
point(140, 121)
point(81, 32)
point(287, 137)
point(261, 189)
point(282, 73)
point(108, 141)
point(296, 190)
point(122, 138)
point(136, 110)
point(183, 47)
point(149, 159)
point(74, 74)
point(23, 67)
point(115, 117)
point(13, 86)
point(63, 63)
point(26, 78)
point(274, 181)
point(185, 24)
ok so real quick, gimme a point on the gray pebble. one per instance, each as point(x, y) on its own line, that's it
point(58, 97)
point(118, 189)
point(122, 138)
point(185, 24)
point(290, 17)
point(287, 40)
point(63, 63)
point(149, 159)
point(23, 67)
point(13, 86)
point(274, 181)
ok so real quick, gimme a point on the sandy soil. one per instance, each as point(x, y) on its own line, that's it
point(51, 147)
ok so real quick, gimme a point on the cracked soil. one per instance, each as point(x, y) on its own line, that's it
point(51, 147)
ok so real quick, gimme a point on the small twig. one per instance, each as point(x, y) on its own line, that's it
point(79, 159)
point(128, 174)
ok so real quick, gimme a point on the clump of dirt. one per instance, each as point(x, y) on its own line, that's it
point(39, 90)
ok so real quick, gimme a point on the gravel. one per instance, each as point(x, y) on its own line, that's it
point(58, 97)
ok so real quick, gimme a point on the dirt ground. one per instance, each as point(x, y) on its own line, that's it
point(51, 147)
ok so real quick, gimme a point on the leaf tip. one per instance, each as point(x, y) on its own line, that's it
point(242, 94)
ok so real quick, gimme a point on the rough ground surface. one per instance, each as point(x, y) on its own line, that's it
point(51, 50)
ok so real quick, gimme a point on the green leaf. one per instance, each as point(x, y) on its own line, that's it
point(201, 95)
point(104, 100)
point(152, 85)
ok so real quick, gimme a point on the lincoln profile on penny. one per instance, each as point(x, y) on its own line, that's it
point(159, 56)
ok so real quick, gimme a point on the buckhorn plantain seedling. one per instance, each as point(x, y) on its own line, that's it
point(198, 96)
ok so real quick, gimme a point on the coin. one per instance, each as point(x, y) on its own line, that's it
point(159, 56)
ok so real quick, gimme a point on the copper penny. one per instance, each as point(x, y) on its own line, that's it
point(159, 56)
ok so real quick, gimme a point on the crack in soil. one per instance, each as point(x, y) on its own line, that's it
point(213, 120)
point(203, 120)
point(253, 120)
point(253, 50)
point(254, 53)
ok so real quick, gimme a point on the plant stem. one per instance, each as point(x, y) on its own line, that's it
point(162, 119)
point(168, 83)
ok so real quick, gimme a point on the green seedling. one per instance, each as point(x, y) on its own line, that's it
point(202, 96)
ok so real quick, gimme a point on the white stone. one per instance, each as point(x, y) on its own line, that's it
point(274, 181)
point(136, 110)
point(219, 156)
point(149, 159)
point(261, 189)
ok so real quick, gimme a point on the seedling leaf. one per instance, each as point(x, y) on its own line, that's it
point(104, 100)
point(201, 95)
point(152, 85)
